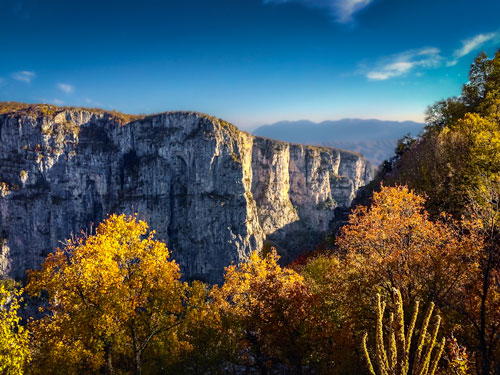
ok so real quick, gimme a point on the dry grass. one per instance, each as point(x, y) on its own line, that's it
point(49, 110)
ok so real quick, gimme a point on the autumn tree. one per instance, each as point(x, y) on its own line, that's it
point(477, 300)
point(456, 358)
point(269, 311)
point(461, 143)
point(111, 297)
point(447, 165)
point(344, 303)
point(394, 244)
point(391, 244)
point(454, 164)
point(208, 348)
point(482, 88)
point(14, 349)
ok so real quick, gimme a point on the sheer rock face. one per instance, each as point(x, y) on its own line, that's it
point(211, 192)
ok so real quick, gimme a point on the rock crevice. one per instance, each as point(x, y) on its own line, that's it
point(212, 192)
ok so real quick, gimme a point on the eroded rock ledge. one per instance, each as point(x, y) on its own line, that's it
point(212, 192)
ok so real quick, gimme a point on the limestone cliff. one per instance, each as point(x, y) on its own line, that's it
point(212, 192)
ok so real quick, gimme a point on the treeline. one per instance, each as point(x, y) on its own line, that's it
point(115, 303)
point(421, 261)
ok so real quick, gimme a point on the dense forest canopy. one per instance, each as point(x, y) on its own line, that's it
point(458, 155)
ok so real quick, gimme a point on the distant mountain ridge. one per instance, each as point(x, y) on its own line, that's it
point(375, 139)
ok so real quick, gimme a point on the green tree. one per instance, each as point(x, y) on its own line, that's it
point(482, 88)
point(460, 146)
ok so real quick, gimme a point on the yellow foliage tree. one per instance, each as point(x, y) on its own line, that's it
point(478, 300)
point(112, 295)
point(14, 348)
point(208, 347)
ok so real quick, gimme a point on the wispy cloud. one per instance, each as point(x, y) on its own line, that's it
point(346, 8)
point(66, 88)
point(341, 10)
point(403, 63)
point(472, 44)
point(24, 76)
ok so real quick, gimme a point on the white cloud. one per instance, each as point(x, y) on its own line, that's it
point(24, 76)
point(470, 45)
point(346, 8)
point(403, 63)
point(66, 88)
point(341, 10)
point(391, 70)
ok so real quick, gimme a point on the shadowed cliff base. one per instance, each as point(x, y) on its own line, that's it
point(212, 192)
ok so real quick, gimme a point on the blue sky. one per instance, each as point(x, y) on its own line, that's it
point(247, 61)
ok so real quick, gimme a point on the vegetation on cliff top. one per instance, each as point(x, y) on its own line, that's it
point(50, 111)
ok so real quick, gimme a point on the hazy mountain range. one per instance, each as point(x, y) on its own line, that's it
point(375, 139)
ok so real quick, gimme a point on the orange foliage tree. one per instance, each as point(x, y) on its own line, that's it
point(394, 244)
point(270, 315)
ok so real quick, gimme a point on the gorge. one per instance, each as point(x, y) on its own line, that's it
point(211, 192)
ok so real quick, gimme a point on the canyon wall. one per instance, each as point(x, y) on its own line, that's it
point(211, 192)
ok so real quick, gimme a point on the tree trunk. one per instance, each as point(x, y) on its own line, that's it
point(138, 363)
point(137, 351)
point(109, 369)
point(483, 346)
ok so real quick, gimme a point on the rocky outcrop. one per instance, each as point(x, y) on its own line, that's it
point(212, 192)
